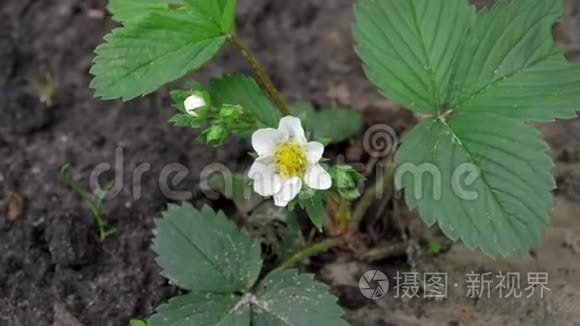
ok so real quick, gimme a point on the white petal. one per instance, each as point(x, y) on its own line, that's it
point(266, 181)
point(193, 103)
point(264, 141)
point(314, 151)
point(260, 164)
point(290, 189)
point(293, 127)
point(317, 178)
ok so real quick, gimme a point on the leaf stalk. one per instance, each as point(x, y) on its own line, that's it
point(369, 195)
point(310, 251)
point(264, 79)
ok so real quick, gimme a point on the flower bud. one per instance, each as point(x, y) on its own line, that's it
point(193, 103)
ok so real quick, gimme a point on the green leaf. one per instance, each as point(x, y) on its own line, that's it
point(204, 309)
point(434, 247)
point(482, 179)
point(314, 207)
point(162, 47)
point(242, 90)
point(510, 65)
point(541, 92)
point(502, 61)
point(346, 180)
point(334, 123)
point(408, 47)
point(286, 298)
point(204, 252)
point(136, 322)
point(132, 10)
point(182, 120)
point(228, 19)
point(496, 71)
point(220, 12)
point(311, 304)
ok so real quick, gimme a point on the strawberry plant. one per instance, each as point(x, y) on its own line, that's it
point(473, 165)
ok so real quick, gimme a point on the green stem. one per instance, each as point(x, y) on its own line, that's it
point(363, 205)
point(310, 251)
point(370, 194)
point(263, 77)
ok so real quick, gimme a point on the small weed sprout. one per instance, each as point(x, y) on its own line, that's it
point(94, 204)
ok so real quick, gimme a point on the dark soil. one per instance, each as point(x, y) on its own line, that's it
point(53, 270)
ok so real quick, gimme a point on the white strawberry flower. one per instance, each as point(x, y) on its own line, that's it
point(193, 103)
point(286, 161)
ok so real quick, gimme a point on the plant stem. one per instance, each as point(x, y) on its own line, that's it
point(358, 213)
point(263, 77)
point(310, 251)
point(369, 195)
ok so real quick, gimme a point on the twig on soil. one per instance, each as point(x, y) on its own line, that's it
point(263, 77)
point(15, 207)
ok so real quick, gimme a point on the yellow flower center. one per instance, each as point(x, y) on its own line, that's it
point(290, 159)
